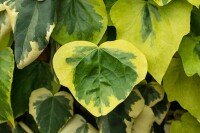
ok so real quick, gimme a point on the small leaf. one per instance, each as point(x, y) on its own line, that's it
point(141, 22)
point(32, 22)
point(50, 112)
point(160, 110)
point(77, 124)
point(151, 92)
point(187, 124)
point(100, 77)
point(189, 51)
point(179, 87)
point(34, 76)
point(162, 2)
point(80, 20)
point(121, 119)
point(6, 76)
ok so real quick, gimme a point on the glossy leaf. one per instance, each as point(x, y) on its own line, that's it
point(141, 22)
point(34, 76)
point(6, 36)
point(100, 77)
point(160, 110)
point(50, 112)
point(80, 20)
point(77, 124)
point(32, 22)
point(6, 77)
point(151, 92)
point(182, 88)
point(187, 124)
point(121, 119)
point(190, 54)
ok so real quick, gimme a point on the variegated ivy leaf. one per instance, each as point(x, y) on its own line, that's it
point(50, 112)
point(37, 75)
point(144, 28)
point(100, 77)
point(144, 122)
point(179, 87)
point(109, 4)
point(164, 2)
point(32, 22)
point(151, 92)
point(187, 124)
point(189, 51)
point(77, 124)
point(121, 119)
point(6, 76)
point(80, 20)
point(160, 110)
point(6, 36)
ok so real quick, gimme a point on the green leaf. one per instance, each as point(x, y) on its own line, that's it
point(100, 77)
point(151, 92)
point(34, 76)
point(78, 125)
point(195, 21)
point(109, 4)
point(6, 76)
point(182, 88)
point(44, 107)
point(32, 22)
point(160, 110)
point(162, 2)
point(155, 30)
point(121, 119)
point(80, 20)
point(6, 36)
point(194, 2)
point(144, 122)
point(187, 124)
point(189, 51)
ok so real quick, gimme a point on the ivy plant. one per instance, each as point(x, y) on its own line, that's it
point(99, 66)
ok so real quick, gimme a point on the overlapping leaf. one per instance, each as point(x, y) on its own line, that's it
point(164, 2)
point(34, 76)
point(80, 20)
point(190, 54)
point(6, 76)
point(155, 30)
point(32, 22)
point(50, 112)
point(187, 124)
point(182, 88)
point(100, 77)
point(77, 124)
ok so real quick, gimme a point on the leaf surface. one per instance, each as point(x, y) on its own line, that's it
point(50, 112)
point(100, 77)
point(155, 30)
point(6, 77)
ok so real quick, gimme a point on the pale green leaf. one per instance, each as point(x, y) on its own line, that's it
point(182, 88)
point(189, 51)
point(80, 20)
point(162, 2)
point(32, 22)
point(6, 76)
point(102, 77)
point(155, 30)
point(32, 77)
point(50, 112)
point(121, 119)
point(77, 124)
point(109, 4)
point(187, 124)
point(195, 2)
point(151, 92)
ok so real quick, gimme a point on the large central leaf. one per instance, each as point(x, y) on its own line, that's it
point(155, 30)
point(32, 22)
point(80, 20)
point(100, 77)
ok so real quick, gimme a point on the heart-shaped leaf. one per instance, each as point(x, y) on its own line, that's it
point(100, 77)
point(32, 22)
point(6, 76)
point(80, 20)
point(50, 112)
point(155, 30)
